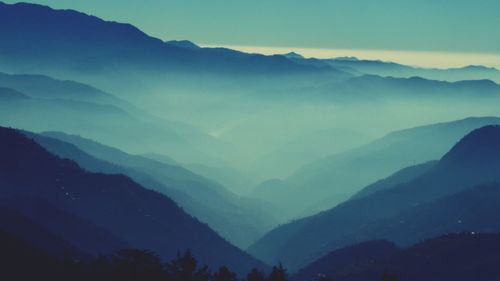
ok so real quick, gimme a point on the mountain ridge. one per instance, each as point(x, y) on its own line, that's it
point(142, 218)
point(349, 222)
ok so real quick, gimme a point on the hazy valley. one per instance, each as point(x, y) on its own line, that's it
point(126, 157)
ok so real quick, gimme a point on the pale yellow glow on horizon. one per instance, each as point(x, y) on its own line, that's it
point(415, 58)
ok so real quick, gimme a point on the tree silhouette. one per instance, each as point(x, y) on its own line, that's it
point(70, 265)
point(131, 264)
point(224, 274)
point(278, 274)
point(255, 275)
point(389, 277)
point(184, 268)
point(101, 268)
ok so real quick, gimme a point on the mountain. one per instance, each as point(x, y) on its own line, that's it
point(471, 210)
point(459, 257)
point(106, 123)
point(217, 90)
point(272, 191)
point(7, 94)
point(161, 158)
point(331, 180)
point(70, 233)
point(67, 43)
point(41, 86)
point(346, 260)
point(400, 177)
point(307, 147)
point(46, 96)
point(374, 88)
point(183, 44)
point(471, 72)
point(391, 69)
point(141, 218)
point(16, 224)
point(473, 161)
point(293, 55)
point(24, 261)
point(228, 176)
point(239, 220)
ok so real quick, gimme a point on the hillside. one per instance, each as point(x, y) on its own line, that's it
point(238, 220)
point(471, 162)
point(459, 257)
point(322, 184)
point(142, 218)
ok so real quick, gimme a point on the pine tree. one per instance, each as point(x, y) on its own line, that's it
point(224, 274)
point(255, 275)
point(131, 264)
point(278, 274)
point(185, 268)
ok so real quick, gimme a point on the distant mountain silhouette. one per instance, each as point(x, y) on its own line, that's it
point(72, 45)
point(81, 42)
point(161, 158)
point(78, 108)
point(474, 161)
point(307, 147)
point(471, 72)
point(459, 257)
point(238, 220)
point(140, 217)
point(326, 182)
point(374, 88)
point(105, 123)
point(387, 68)
point(183, 44)
point(40, 86)
point(293, 55)
point(230, 177)
point(11, 94)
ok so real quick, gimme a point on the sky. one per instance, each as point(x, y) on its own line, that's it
point(463, 28)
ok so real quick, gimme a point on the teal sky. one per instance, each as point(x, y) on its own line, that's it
point(412, 25)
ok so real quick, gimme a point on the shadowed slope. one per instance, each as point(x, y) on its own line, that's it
point(473, 161)
point(142, 218)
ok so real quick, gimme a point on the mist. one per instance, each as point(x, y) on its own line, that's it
point(247, 159)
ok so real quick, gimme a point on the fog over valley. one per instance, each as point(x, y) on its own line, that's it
point(129, 157)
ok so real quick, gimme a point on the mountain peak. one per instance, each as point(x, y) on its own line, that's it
point(293, 55)
point(479, 148)
point(479, 68)
point(183, 44)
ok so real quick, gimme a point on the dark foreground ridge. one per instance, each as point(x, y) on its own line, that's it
point(70, 201)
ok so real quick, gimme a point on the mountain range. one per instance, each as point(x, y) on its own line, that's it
point(62, 43)
point(357, 66)
point(116, 146)
point(334, 178)
point(393, 213)
point(462, 256)
point(114, 203)
point(239, 220)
